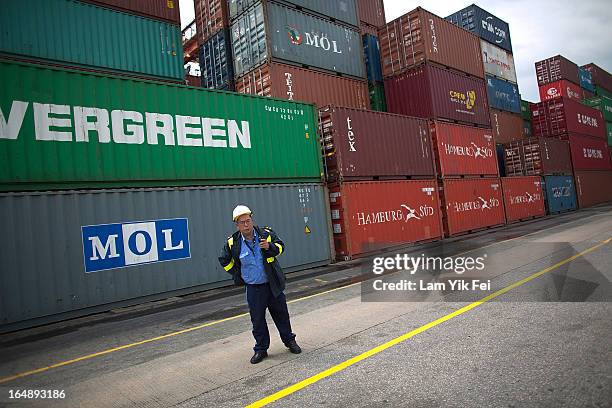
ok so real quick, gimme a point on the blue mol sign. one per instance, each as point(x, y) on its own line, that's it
point(111, 246)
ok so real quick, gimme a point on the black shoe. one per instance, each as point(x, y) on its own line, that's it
point(258, 356)
point(293, 347)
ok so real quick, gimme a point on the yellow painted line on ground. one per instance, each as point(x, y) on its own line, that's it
point(345, 364)
point(126, 346)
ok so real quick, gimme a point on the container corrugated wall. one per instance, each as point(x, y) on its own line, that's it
point(371, 12)
point(483, 24)
point(296, 84)
point(498, 62)
point(463, 150)
point(91, 37)
point(284, 33)
point(602, 104)
point(167, 10)
point(503, 95)
point(55, 281)
point(523, 198)
point(438, 93)
point(538, 156)
point(588, 153)
point(560, 194)
point(361, 145)
point(120, 133)
point(593, 187)
point(562, 115)
point(377, 97)
point(471, 204)
point(506, 126)
point(216, 63)
point(421, 36)
point(344, 11)
point(364, 222)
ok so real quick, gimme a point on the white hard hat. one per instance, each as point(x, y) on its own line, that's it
point(241, 210)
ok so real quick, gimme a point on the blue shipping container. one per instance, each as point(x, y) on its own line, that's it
point(503, 95)
point(483, 24)
point(216, 62)
point(371, 49)
point(586, 80)
point(560, 194)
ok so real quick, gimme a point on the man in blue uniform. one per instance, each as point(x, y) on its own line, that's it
point(249, 255)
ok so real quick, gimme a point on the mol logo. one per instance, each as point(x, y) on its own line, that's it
point(313, 39)
point(465, 98)
point(111, 246)
point(294, 35)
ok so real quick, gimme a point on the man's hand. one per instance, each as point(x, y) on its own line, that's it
point(263, 244)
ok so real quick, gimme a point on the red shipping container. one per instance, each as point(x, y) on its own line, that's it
point(538, 156)
point(165, 10)
point(600, 76)
point(299, 84)
point(372, 215)
point(429, 91)
point(360, 145)
point(463, 150)
point(555, 69)
point(559, 89)
point(211, 16)
point(593, 187)
point(562, 115)
point(471, 204)
point(588, 153)
point(507, 126)
point(371, 12)
point(523, 198)
point(421, 36)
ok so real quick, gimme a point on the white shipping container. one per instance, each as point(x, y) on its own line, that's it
point(498, 62)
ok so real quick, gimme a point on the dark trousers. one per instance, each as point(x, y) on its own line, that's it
point(260, 298)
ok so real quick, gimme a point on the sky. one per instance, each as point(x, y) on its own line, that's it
point(578, 30)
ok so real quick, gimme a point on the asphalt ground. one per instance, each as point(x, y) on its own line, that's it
point(543, 342)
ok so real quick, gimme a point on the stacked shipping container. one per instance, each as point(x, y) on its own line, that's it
point(214, 42)
point(53, 37)
point(282, 49)
point(371, 15)
point(361, 149)
point(129, 159)
point(560, 114)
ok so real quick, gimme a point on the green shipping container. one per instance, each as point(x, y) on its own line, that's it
point(65, 129)
point(599, 91)
point(377, 97)
point(68, 32)
point(525, 111)
point(601, 103)
point(609, 130)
